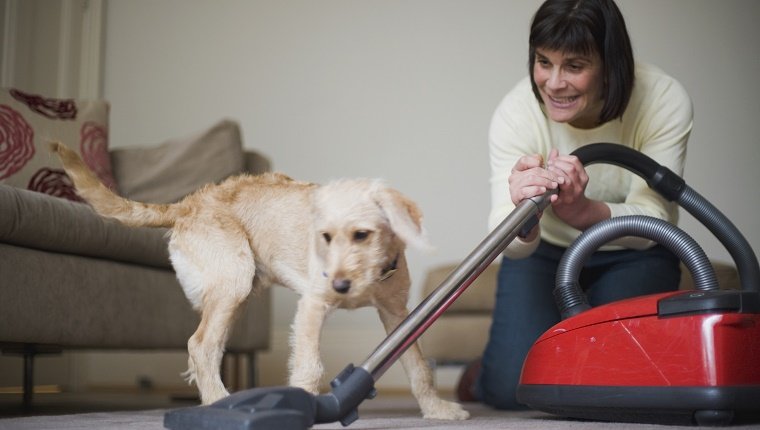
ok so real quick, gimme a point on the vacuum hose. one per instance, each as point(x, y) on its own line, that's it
point(567, 292)
point(671, 186)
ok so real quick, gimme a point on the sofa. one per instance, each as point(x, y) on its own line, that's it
point(74, 280)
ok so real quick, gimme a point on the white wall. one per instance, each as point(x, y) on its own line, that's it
point(404, 90)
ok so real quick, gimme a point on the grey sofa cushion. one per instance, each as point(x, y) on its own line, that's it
point(177, 167)
point(37, 221)
point(80, 302)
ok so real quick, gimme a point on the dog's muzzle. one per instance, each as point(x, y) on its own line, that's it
point(341, 285)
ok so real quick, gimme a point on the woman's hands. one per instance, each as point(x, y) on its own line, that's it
point(530, 178)
point(572, 206)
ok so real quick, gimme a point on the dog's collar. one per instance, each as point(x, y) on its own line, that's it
point(390, 270)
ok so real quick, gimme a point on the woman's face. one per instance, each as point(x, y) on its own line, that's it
point(570, 86)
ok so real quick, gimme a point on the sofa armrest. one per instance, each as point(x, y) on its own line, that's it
point(39, 221)
point(256, 163)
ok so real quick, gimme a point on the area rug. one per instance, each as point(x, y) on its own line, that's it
point(380, 413)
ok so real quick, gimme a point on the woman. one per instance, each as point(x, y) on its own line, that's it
point(583, 88)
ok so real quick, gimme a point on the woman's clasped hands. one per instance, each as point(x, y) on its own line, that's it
point(532, 177)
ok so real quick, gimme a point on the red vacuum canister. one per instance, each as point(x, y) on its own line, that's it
point(688, 356)
point(680, 357)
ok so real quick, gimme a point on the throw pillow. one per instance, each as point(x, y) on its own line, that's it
point(168, 172)
point(28, 122)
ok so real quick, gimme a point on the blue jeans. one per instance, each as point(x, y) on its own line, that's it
point(525, 306)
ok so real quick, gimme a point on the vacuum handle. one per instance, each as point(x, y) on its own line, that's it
point(657, 176)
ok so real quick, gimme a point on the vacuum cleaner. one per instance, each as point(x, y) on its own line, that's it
point(687, 357)
point(682, 353)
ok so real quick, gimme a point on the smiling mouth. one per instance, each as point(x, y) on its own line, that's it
point(563, 101)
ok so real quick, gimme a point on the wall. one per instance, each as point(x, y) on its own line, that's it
point(404, 90)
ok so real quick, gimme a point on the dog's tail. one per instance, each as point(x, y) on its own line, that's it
point(108, 204)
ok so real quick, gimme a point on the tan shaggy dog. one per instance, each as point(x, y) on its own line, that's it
point(340, 245)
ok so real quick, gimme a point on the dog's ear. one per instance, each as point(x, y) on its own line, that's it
point(404, 217)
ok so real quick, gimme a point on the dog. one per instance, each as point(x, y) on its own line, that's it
point(340, 245)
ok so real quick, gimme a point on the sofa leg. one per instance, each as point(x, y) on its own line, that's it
point(232, 366)
point(251, 369)
point(28, 351)
point(28, 384)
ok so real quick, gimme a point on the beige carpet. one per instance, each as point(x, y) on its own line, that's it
point(384, 412)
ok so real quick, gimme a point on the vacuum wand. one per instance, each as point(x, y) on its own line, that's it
point(523, 217)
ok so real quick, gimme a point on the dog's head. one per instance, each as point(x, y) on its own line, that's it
point(363, 227)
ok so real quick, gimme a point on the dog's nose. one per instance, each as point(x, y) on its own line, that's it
point(341, 285)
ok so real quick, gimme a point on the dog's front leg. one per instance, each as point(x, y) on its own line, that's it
point(419, 373)
point(305, 363)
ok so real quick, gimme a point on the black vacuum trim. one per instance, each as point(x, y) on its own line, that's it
point(701, 302)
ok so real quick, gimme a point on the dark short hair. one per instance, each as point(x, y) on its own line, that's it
point(587, 27)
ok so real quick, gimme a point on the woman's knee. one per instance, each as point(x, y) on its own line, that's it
point(502, 365)
point(498, 388)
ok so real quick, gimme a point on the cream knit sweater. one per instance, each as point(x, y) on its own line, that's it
point(657, 122)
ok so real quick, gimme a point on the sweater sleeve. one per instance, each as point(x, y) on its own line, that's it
point(661, 130)
point(513, 133)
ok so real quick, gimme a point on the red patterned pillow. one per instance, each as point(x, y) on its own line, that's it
point(29, 122)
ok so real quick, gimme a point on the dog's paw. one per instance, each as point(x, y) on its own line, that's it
point(309, 387)
point(307, 380)
point(444, 410)
point(213, 397)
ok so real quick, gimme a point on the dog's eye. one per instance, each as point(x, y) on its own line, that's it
point(361, 235)
point(327, 237)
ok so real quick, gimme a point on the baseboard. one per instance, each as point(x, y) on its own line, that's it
point(37, 389)
point(185, 390)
